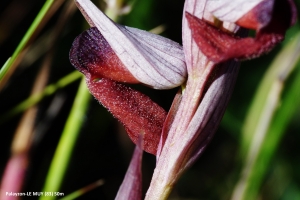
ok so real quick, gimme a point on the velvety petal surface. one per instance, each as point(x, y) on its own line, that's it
point(269, 18)
point(136, 111)
point(90, 53)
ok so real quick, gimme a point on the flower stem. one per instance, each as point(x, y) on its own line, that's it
point(171, 160)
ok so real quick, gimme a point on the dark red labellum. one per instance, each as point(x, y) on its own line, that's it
point(91, 53)
point(138, 113)
point(270, 19)
point(93, 56)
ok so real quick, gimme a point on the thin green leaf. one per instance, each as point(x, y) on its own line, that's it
point(26, 37)
point(66, 144)
point(290, 104)
point(4, 68)
point(277, 73)
point(34, 99)
point(82, 191)
point(266, 121)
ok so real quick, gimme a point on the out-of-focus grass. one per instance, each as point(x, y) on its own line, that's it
point(267, 120)
point(82, 191)
point(34, 99)
point(67, 141)
point(26, 38)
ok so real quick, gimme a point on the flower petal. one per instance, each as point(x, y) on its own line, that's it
point(200, 109)
point(168, 122)
point(192, 52)
point(270, 16)
point(253, 14)
point(131, 187)
point(210, 111)
point(153, 60)
point(270, 19)
point(220, 46)
point(90, 53)
point(136, 111)
point(230, 10)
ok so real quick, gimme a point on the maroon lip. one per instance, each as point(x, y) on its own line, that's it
point(91, 53)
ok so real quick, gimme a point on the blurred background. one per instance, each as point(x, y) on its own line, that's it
point(102, 149)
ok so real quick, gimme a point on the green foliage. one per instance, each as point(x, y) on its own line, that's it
point(26, 38)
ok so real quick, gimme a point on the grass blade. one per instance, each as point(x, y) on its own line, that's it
point(290, 104)
point(260, 140)
point(64, 150)
point(36, 98)
point(84, 190)
point(26, 37)
point(4, 68)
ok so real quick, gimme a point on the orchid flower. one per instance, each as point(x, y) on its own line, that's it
point(111, 55)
